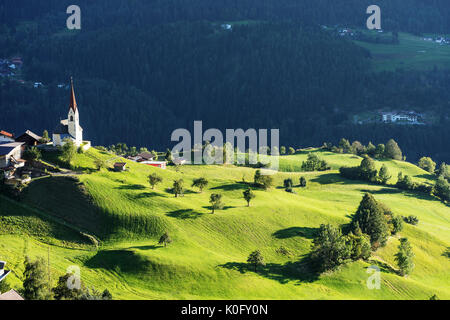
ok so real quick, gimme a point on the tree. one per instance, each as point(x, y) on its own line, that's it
point(256, 259)
point(154, 179)
point(169, 157)
point(314, 163)
point(368, 170)
point(4, 286)
point(397, 224)
point(379, 151)
point(404, 257)
point(329, 248)
point(442, 189)
point(444, 171)
point(359, 243)
point(265, 181)
point(288, 183)
point(62, 290)
point(249, 196)
point(178, 188)
point(155, 155)
point(358, 148)
point(371, 220)
point(371, 150)
point(393, 151)
point(200, 183)
point(100, 164)
point(283, 150)
point(32, 154)
point(291, 151)
point(344, 144)
point(165, 239)
point(384, 175)
point(303, 182)
point(427, 164)
point(216, 202)
point(68, 150)
point(35, 286)
point(45, 138)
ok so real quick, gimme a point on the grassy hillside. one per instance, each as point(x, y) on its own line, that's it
point(412, 53)
point(207, 259)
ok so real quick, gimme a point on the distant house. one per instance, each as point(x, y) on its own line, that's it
point(157, 164)
point(11, 155)
point(6, 136)
point(29, 138)
point(392, 117)
point(226, 26)
point(120, 166)
point(145, 156)
point(38, 85)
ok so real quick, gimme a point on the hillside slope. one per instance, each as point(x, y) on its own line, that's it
point(207, 259)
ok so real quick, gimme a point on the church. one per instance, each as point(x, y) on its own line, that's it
point(70, 128)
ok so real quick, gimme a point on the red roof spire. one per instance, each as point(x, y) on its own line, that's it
point(73, 102)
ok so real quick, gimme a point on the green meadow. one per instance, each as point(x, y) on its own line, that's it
point(58, 217)
point(412, 53)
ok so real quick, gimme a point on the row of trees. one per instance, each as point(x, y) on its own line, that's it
point(390, 150)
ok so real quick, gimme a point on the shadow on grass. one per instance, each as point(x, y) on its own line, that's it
point(224, 208)
point(119, 260)
point(298, 271)
point(406, 193)
point(334, 178)
point(305, 232)
point(131, 187)
point(150, 195)
point(232, 187)
point(447, 253)
point(184, 214)
point(153, 247)
point(426, 176)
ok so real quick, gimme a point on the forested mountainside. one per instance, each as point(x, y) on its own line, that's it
point(145, 68)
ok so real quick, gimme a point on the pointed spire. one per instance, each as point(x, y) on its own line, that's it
point(73, 102)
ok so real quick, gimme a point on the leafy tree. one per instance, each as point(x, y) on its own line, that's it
point(314, 163)
point(165, 239)
point(178, 188)
point(216, 202)
point(45, 138)
point(288, 183)
point(100, 164)
point(169, 157)
point(329, 248)
point(68, 151)
point(155, 155)
point(93, 294)
point(283, 150)
point(265, 181)
point(434, 297)
point(444, 171)
point(256, 259)
point(371, 220)
point(384, 175)
point(249, 196)
point(155, 179)
point(35, 286)
point(291, 151)
point(397, 224)
point(379, 152)
point(200, 183)
point(4, 286)
point(32, 154)
point(303, 182)
point(62, 290)
point(412, 220)
point(442, 189)
point(427, 164)
point(371, 150)
point(344, 144)
point(359, 243)
point(358, 148)
point(393, 151)
point(404, 257)
point(367, 169)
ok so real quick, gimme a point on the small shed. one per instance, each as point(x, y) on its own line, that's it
point(29, 138)
point(120, 166)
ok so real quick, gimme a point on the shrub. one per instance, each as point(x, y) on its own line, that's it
point(413, 220)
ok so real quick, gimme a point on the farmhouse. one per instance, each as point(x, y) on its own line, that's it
point(6, 136)
point(29, 138)
point(70, 128)
point(11, 154)
point(120, 166)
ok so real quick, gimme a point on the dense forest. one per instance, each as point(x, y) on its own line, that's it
point(145, 68)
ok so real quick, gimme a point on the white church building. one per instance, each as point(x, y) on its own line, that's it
point(70, 128)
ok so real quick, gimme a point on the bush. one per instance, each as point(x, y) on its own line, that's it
point(314, 163)
point(413, 220)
